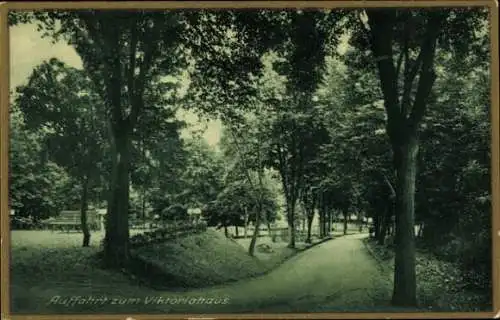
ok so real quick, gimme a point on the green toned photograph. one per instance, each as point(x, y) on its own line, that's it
point(250, 161)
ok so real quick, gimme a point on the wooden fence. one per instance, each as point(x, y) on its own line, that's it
point(168, 232)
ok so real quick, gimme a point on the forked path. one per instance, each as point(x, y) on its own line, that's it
point(338, 275)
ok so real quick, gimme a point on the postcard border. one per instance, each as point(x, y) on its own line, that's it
point(4, 145)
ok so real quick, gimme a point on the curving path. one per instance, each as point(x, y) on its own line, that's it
point(338, 275)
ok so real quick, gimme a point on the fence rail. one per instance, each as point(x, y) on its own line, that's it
point(167, 232)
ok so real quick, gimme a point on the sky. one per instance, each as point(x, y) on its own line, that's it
point(28, 49)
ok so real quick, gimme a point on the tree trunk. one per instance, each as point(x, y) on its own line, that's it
point(320, 222)
point(360, 222)
point(269, 232)
point(143, 209)
point(326, 232)
point(144, 190)
point(245, 229)
point(376, 225)
point(251, 249)
point(226, 233)
point(382, 233)
point(346, 217)
point(329, 222)
point(404, 268)
point(116, 244)
point(237, 232)
point(291, 223)
point(83, 212)
point(402, 126)
point(420, 230)
point(310, 218)
point(383, 229)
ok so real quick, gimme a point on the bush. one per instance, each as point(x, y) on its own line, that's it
point(21, 223)
point(473, 255)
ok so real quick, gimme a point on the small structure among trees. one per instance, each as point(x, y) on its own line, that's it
point(70, 220)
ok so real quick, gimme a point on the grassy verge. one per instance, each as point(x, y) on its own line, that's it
point(441, 286)
point(208, 259)
point(45, 265)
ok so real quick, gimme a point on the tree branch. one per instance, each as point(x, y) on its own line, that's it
point(114, 80)
point(282, 170)
point(132, 59)
point(362, 25)
point(407, 85)
point(93, 25)
point(382, 23)
point(150, 53)
point(247, 169)
point(393, 192)
point(404, 49)
point(402, 54)
point(427, 74)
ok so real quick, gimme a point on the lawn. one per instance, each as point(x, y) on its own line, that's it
point(210, 258)
point(47, 264)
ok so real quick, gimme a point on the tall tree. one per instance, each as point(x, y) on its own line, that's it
point(124, 53)
point(38, 187)
point(403, 43)
point(158, 152)
point(309, 37)
point(60, 99)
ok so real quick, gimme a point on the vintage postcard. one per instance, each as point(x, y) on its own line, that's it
point(251, 159)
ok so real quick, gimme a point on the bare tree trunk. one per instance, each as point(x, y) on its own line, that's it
point(237, 232)
point(325, 220)
point(245, 230)
point(258, 216)
point(320, 224)
point(143, 193)
point(376, 225)
point(329, 217)
point(253, 242)
point(143, 208)
point(226, 233)
point(83, 212)
point(310, 218)
point(384, 226)
point(420, 230)
point(116, 244)
point(291, 223)
point(270, 233)
point(404, 272)
point(346, 217)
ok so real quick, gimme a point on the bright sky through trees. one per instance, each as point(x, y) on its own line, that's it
point(28, 49)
